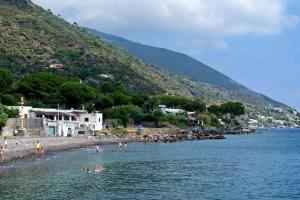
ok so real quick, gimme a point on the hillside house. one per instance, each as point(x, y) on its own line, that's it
point(172, 111)
point(56, 66)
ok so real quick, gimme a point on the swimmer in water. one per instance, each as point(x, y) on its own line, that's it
point(99, 169)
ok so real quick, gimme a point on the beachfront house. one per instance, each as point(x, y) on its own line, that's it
point(192, 118)
point(57, 122)
point(91, 121)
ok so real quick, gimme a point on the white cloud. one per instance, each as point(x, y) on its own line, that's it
point(198, 19)
point(221, 45)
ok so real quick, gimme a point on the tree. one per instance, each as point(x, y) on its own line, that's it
point(139, 99)
point(181, 102)
point(11, 113)
point(39, 85)
point(233, 108)
point(5, 79)
point(76, 94)
point(193, 106)
point(215, 109)
point(124, 113)
point(111, 86)
point(206, 118)
point(3, 116)
point(103, 102)
point(151, 103)
point(8, 99)
point(171, 101)
point(120, 98)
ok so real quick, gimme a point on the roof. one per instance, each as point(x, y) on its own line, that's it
point(55, 111)
point(171, 110)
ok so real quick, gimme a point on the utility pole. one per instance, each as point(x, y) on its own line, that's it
point(57, 119)
point(22, 112)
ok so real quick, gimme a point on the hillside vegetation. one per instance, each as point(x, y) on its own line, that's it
point(32, 39)
point(178, 63)
point(44, 89)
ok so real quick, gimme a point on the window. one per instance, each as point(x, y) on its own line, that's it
point(86, 119)
point(99, 119)
point(66, 117)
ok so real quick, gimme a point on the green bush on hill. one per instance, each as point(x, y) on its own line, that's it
point(76, 94)
point(47, 90)
point(5, 79)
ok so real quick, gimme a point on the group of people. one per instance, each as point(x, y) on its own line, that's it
point(100, 169)
point(96, 170)
point(120, 145)
point(3, 148)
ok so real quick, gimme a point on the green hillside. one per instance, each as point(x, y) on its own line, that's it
point(178, 63)
point(32, 39)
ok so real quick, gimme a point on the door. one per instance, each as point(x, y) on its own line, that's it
point(52, 130)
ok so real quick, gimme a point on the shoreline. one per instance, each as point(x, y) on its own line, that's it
point(53, 144)
point(24, 147)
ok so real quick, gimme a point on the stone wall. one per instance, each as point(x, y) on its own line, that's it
point(30, 127)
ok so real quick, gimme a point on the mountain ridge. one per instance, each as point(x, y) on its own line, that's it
point(192, 68)
point(32, 39)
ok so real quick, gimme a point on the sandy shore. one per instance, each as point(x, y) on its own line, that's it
point(25, 147)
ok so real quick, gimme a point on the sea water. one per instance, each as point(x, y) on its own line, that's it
point(259, 166)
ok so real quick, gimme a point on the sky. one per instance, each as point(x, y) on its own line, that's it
point(255, 42)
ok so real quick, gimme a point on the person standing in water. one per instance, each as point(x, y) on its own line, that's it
point(125, 145)
point(1, 153)
point(120, 145)
point(5, 142)
point(38, 147)
point(97, 149)
point(43, 150)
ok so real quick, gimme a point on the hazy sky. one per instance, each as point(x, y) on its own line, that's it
point(255, 42)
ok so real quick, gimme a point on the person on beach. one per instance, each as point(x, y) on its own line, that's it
point(1, 153)
point(38, 147)
point(5, 142)
point(120, 145)
point(43, 150)
point(97, 149)
point(125, 145)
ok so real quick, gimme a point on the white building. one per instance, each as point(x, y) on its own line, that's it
point(164, 110)
point(59, 122)
point(92, 121)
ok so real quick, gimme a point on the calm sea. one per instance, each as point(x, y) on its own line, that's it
point(261, 166)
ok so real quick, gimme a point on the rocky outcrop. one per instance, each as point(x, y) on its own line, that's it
point(197, 133)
